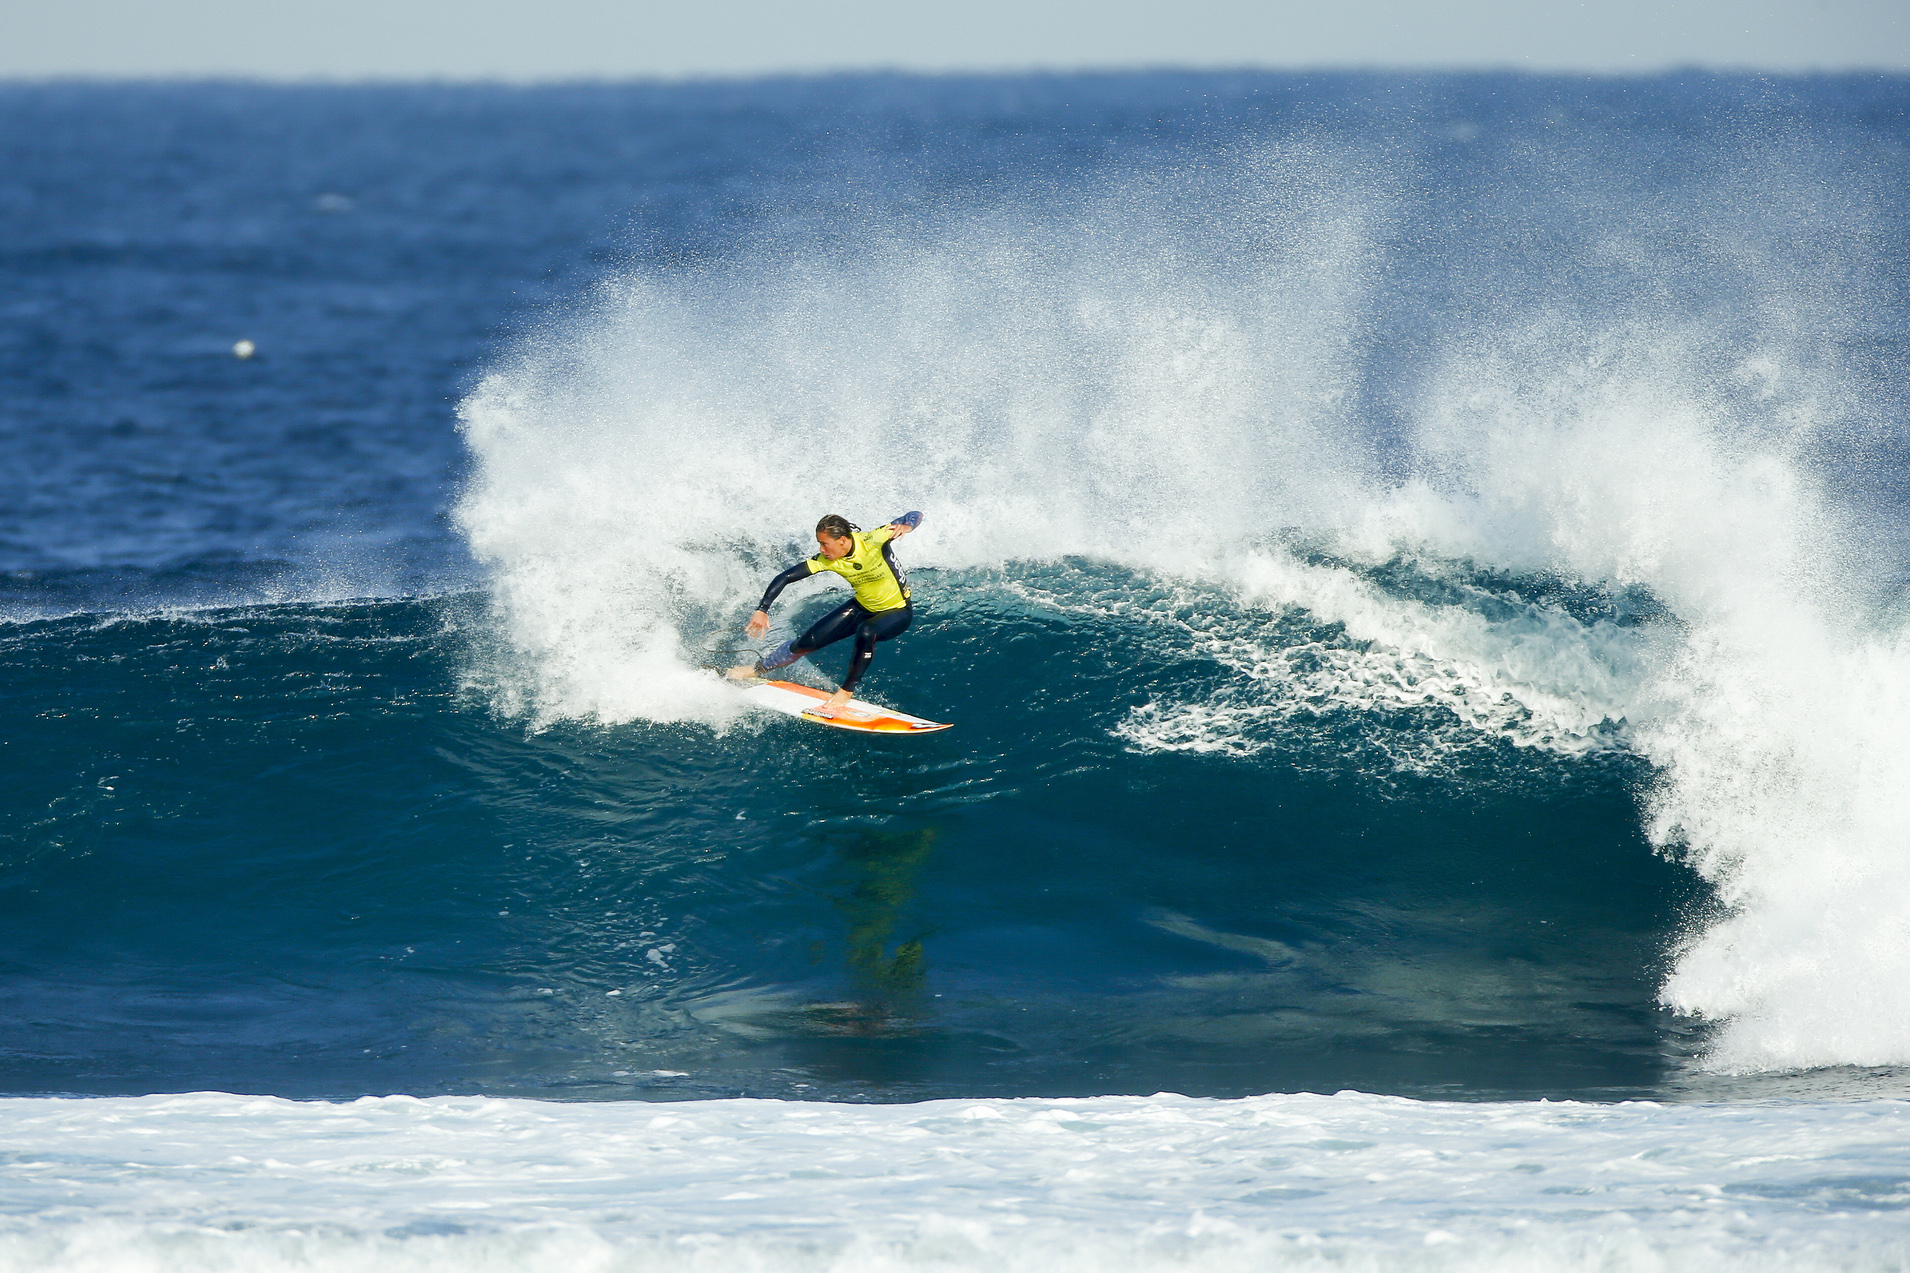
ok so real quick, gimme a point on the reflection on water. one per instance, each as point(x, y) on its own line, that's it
point(880, 870)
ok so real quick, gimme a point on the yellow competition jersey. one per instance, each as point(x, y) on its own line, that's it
point(879, 583)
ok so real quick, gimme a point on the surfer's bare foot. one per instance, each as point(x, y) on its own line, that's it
point(742, 672)
point(834, 704)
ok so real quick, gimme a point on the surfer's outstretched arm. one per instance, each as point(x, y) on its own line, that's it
point(759, 621)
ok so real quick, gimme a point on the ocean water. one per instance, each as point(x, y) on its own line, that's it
point(1419, 567)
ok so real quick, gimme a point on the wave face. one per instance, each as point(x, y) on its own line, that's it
point(285, 852)
point(1415, 566)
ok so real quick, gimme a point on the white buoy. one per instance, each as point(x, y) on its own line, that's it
point(244, 349)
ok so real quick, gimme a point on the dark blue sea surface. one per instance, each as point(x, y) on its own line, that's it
point(1420, 580)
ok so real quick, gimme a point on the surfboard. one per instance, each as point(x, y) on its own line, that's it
point(866, 718)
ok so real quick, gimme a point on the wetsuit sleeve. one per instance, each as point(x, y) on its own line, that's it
point(885, 532)
point(800, 571)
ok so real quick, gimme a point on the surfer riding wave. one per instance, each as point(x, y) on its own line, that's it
point(880, 610)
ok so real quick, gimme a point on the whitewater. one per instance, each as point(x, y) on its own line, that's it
point(1347, 1181)
point(1416, 565)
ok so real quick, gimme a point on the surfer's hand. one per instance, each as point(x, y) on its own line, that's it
point(758, 624)
point(900, 529)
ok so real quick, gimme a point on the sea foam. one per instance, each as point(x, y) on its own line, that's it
point(211, 1181)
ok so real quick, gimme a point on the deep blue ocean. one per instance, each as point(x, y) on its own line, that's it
point(1416, 565)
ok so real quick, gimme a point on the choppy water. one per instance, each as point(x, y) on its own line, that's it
point(1416, 565)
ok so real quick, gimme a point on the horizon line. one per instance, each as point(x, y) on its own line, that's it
point(873, 71)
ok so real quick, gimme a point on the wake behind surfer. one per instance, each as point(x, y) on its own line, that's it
point(879, 611)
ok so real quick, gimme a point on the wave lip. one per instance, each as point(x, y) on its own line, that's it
point(1480, 669)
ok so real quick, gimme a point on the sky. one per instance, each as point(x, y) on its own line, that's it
point(565, 39)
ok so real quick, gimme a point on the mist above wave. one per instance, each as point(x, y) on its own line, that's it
point(1086, 380)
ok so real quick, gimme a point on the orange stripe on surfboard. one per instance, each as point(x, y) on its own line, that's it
point(854, 715)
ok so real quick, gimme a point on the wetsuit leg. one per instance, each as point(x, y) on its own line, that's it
point(832, 627)
point(877, 627)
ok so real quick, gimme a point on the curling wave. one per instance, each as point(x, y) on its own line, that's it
point(1572, 531)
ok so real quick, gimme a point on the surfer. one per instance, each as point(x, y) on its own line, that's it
point(879, 611)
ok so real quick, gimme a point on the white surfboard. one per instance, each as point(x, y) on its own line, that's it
point(800, 701)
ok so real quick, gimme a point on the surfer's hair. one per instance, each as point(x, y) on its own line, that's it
point(836, 526)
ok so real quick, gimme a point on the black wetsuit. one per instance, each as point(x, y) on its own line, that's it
point(871, 570)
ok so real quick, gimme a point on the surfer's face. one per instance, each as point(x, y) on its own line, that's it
point(834, 548)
